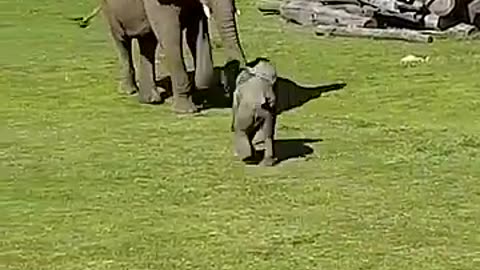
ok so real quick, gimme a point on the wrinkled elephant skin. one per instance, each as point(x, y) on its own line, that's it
point(128, 20)
point(253, 111)
point(163, 20)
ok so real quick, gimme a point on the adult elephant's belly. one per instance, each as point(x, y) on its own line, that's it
point(131, 16)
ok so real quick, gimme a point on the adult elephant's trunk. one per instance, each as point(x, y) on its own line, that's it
point(223, 12)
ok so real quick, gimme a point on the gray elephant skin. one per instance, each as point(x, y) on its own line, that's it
point(160, 23)
point(253, 111)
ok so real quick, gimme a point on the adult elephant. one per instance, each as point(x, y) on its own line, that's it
point(164, 20)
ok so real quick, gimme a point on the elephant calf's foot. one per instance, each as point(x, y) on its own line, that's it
point(243, 150)
point(151, 97)
point(184, 105)
point(268, 162)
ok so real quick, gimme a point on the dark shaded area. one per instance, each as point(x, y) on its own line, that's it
point(215, 97)
point(459, 14)
point(396, 20)
point(289, 94)
point(286, 149)
point(293, 148)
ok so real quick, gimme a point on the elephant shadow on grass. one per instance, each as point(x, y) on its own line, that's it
point(289, 95)
point(287, 149)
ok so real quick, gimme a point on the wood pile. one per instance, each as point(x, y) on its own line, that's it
point(409, 20)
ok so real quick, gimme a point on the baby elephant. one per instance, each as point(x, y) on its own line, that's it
point(254, 110)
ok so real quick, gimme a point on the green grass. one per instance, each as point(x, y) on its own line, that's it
point(90, 179)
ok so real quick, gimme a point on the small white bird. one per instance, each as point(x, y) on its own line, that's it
point(412, 60)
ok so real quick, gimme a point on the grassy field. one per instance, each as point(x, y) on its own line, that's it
point(90, 179)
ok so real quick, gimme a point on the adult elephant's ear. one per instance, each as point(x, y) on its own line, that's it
point(223, 12)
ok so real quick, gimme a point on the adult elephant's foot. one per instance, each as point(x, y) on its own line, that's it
point(184, 105)
point(129, 88)
point(150, 97)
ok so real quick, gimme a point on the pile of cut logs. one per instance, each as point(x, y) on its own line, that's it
point(409, 20)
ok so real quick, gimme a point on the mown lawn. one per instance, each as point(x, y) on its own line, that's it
point(90, 179)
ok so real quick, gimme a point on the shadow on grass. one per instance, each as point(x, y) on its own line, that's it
point(289, 94)
point(286, 149)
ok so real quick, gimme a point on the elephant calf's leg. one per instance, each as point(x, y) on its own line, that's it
point(267, 129)
point(148, 93)
point(242, 145)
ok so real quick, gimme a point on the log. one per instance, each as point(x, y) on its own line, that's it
point(323, 15)
point(441, 7)
point(370, 10)
point(301, 12)
point(473, 11)
point(351, 8)
point(385, 5)
point(460, 31)
point(357, 22)
point(416, 6)
point(342, 17)
point(431, 21)
point(395, 34)
point(270, 7)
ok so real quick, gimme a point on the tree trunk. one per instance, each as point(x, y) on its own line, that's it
point(339, 2)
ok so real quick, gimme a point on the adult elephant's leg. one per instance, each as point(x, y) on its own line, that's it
point(165, 22)
point(198, 41)
point(160, 69)
point(127, 71)
point(148, 93)
point(223, 12)
point(123, 44)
